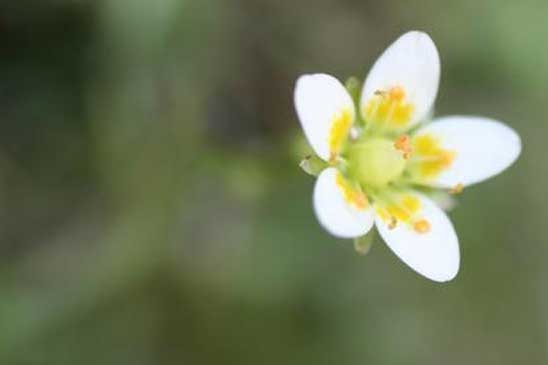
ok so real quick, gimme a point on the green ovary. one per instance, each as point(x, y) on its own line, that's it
point(376, 162)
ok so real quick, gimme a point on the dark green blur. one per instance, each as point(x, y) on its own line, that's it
point(152, 210)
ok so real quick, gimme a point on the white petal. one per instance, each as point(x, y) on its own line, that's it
point(483, 148)
point(434, 254)
point(412, 63)
point(334, 213)
point(319, 98)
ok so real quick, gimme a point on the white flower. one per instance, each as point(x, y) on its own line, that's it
point(378, 156)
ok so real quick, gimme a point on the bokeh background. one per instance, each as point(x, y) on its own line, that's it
point(152, 210)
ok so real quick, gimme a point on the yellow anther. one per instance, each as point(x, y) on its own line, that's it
point(393, 223)
point(396, 93)
point(422, 226)
point(457, 189)
point(360, 200)
point(333, 158)
point(403, 143)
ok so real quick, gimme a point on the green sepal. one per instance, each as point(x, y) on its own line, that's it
point(354, 87)
point(363, 244)
point(313, 165)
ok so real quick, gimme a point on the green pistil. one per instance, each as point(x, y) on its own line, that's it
point(375, 163)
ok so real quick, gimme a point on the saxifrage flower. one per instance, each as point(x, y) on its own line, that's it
point(382, 159)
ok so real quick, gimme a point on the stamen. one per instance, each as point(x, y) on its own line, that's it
point(422, 226)
point(397, 93)
point(403, 143)
point(360, 199)
point(393, 223)
point(333, 158)
point(457, 189)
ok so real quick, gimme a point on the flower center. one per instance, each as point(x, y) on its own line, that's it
point(376, 162)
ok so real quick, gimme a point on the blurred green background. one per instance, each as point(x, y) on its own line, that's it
point(152, 210)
